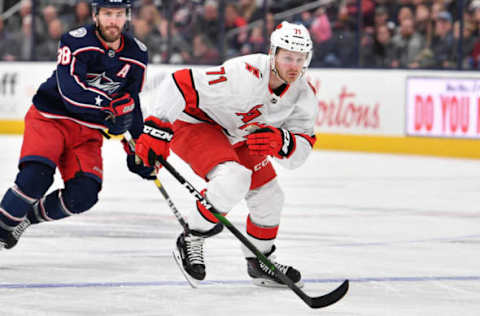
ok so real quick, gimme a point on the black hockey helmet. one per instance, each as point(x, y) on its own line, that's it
point(96, 4)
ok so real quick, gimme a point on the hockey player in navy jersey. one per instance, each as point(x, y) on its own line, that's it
point(100, 72)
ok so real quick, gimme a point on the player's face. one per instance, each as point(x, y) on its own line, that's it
point(111, 22)
point(289, 64)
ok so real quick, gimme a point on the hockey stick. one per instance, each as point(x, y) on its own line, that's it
point(313, 302)
point(159, 185)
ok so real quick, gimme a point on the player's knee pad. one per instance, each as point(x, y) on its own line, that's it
point(34, 179)
point(80, 194)
point(228, 184)
point(265, 204)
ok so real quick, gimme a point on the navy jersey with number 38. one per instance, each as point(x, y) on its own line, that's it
point(88, 74)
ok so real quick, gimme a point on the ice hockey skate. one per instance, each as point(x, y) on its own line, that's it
point(188, 253)
point(263, 276)
point(9, 239)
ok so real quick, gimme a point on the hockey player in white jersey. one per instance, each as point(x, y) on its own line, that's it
point(227, 122)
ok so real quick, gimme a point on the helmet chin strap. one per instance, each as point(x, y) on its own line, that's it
point(278, 75)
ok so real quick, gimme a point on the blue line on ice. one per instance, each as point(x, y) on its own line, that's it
point(228, 282)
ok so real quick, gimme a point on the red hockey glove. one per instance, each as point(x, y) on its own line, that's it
point(121, 104)
point(269, 140)
point(119, 113)
point(154, 141)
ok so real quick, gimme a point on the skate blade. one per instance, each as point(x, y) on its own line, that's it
point(271, 283)
point(178, 260)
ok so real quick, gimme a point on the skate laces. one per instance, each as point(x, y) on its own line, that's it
point(20, 229)
point(194, 249)
point(281, 267)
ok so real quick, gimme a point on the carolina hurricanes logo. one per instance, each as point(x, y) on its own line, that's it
point(250, 115)
point(102, 82)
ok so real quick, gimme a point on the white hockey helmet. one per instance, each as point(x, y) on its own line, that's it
point(293, 37)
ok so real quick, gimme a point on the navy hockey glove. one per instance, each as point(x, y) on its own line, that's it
point(135, 164)
point(154, 141)
point(119, 113)
point(269, 140)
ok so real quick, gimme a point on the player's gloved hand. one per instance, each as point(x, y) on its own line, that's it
point(269, 140)
point(119, 113)
point(154, 141)
point(135, 164)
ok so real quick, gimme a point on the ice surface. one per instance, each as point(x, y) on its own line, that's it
point(405, 230)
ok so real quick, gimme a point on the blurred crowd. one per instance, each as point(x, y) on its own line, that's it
point(392, 33)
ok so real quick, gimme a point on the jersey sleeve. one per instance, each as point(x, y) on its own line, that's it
point(188, 91)
point(301, 124)
point(169, 101)
point(71, 73)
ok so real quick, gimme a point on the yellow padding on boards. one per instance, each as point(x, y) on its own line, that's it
point(11, 127)
point(429, 146)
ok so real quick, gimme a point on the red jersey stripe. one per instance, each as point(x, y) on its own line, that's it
point(184, 81)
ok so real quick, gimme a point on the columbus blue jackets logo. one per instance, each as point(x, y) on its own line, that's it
point(80, 32)
point(102, 82)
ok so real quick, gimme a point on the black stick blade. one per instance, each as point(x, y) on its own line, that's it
point(330, 298)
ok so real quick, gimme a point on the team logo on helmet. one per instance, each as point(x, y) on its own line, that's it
point(80, 32)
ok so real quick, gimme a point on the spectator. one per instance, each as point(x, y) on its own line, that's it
point(442, 44)
point(437, 7)
point(255, 43)
point(468, 44)
point(323, 46)
point(182, 20)
point(404, 13)
point(207, 23)
point(344, 37)
point(16, 21)
point(143, 31)
point(407, 45)
point(49, 14)
point(349, 7)
point(6, 45)
point(423, 23)
point(381, 53)
point(203, 52)
point(180, 50)
point(233, 21)
point(475, 10)
point(22, 41)
point(320, 29)
point(151, 16)
point(81, 16)
point(249, 11)
point(381, 16)
point(306, 18)
point(47, 50)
